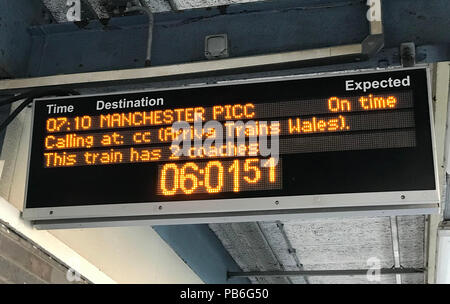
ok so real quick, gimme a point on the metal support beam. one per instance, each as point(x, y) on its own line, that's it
point(321, 273)
point(442, 114)
point(272, 252)
point(225, 66)
point(210, 72)
point(396, 247)
point(440, 96)
point(292, 251)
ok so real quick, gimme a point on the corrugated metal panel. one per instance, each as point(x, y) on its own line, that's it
point(247, 245)
point(329, 244)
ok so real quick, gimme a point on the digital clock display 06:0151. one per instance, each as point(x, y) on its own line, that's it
point(219, 176)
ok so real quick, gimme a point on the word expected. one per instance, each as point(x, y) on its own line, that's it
point(351, 85)
point(218, 176)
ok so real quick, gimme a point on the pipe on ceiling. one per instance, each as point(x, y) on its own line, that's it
point(146, 10)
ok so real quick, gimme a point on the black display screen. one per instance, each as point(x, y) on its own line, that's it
point(291, 137)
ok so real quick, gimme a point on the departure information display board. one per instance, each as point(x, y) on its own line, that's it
point(261, 141)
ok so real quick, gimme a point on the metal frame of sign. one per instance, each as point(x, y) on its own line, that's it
point(244, 209)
